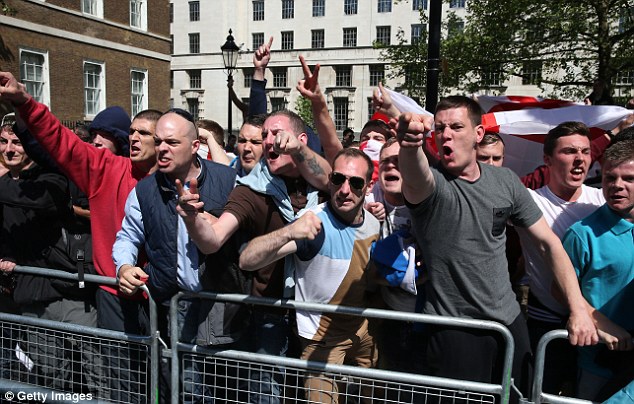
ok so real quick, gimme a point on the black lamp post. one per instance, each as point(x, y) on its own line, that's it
point(230, 59)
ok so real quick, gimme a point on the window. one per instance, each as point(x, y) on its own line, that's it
point(341, 112)
point(414, 75)
point(34, 74)
point(248, 77)
point(383, 34)
point(278, 103)
point(279, 77)
point(624, 78)
point(172, 44)
point(94, 88)
point(288, 9)
point(195, 79)
point(171, 13)
point(258, 39)
point(171, 79)
point(377, 74)
point(317, 40)
point(384, 6)
point(138, 14)
point(138, 91)
point(319, 8)
point(194, 43)
point(258, 10)
point(455, 27)
point(492, 77)
point(287, 40)
point(417, 33)
point(350, 7)
point(349, 37)
point(194, 11)
point(193, 106)
point(92, 7)
point(532, 72)
point(457, 3)
point(418, 5)
point(343, 76)
point(370, 109)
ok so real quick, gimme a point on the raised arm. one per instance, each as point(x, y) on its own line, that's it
point(418, 181)
point(314, 168)
point(217, 153)
point(382, 102)
point(257, 95)
point(309, 89)
point(271, 247)
point(581, 328)
point(207, 232)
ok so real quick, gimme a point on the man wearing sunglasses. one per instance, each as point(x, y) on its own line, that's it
point(331, 246)
point(460, 209)
point(107, 180)
point(284, 181)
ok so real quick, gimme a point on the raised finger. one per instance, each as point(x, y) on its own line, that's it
point(305, 68)
point(180, 190)
point(193, 186)
point(268, 45)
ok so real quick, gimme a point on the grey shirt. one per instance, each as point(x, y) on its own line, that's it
point(461, 229)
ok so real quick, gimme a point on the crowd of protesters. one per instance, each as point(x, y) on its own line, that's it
point(283, 212)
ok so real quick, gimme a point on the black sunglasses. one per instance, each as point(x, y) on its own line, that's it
point(182, 113)
point(355, 182)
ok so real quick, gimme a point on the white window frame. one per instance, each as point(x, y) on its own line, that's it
point(317, 38)
point(349, 37)
point(194, 10)
point(319, 8)
point(101, 88)
point(45, 92)
point(137, 107)
point(92, 7)
point(384, 6)
point(139, 22)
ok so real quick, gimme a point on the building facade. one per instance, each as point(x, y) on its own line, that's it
point(339, 35)
point(79, 57)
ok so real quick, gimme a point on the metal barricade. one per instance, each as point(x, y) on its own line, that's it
point(537, 395)
point(73, 363)
point(224, 374)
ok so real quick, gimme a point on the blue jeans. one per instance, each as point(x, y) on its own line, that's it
point(268, 334)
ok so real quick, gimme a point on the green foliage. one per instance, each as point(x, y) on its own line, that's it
point(304, 110)
point(576, 41)
point(6, 9)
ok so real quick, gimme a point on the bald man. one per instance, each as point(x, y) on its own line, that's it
point(151, 221)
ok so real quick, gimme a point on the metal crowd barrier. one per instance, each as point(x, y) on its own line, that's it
point(64, 362)
point(537, 395)
point(223, 374)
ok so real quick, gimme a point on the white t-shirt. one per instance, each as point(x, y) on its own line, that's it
point(560, 215)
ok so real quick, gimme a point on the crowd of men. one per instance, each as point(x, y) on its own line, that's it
point(172, 208)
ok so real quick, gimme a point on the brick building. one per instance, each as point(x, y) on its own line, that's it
point(80, 56)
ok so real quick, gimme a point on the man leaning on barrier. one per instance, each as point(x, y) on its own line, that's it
point(151, 223)
point(459, 210)
point(331, 246)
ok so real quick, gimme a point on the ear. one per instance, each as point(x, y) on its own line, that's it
point(195, 146)
point(547, 160)
point(303, 137)
point(479, 133)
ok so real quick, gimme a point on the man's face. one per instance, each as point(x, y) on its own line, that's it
point(492, 154)
point(456, 139)
point(142, 140)
point(176, 145)
point(618, 188)
point(373, 132)
point(13, 152)
point(389, 175)
point(569, 163)
point(104, 140)
point(345, 198)
point(279, 164)
point(249, 146)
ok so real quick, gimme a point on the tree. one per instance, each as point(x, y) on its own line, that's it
point(303, 108)
point(563, 46)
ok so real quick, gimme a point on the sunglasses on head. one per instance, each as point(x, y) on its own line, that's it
point(355, 182)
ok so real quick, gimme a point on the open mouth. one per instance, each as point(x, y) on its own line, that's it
point(392, 178)
point(447, 151)
point(273, 155)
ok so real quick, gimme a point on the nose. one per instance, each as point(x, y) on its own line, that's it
point(135, 135)
point(98, 140)
point(11, 147)
point(270, 137)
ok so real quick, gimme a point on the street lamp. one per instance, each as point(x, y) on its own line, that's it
point(230, 59)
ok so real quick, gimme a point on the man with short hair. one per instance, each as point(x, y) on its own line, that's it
point(109, 130)
point(279, 186)
point(491, 149)
point(459, 210)
point(347, 137)
point(562, 202)
point(107, 180)
point(376, 130)
point(249, 146)
point(152, 224)
point(600, 247)
point(331, 246)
